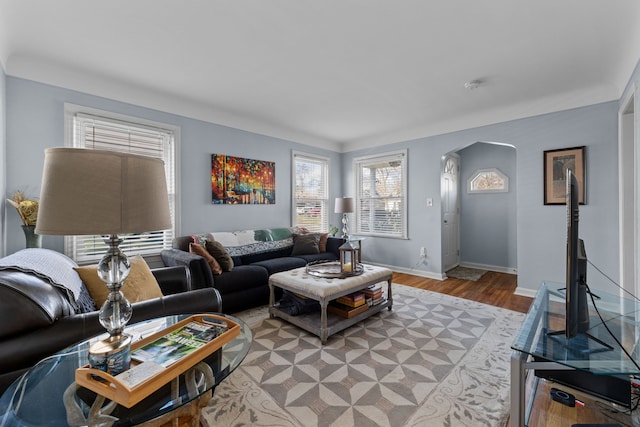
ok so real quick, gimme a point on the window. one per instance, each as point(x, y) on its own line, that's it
point(104, 131)
point(488, 181)
point(381, 195)
point(310, 192)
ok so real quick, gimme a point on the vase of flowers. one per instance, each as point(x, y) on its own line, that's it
point(28, 211)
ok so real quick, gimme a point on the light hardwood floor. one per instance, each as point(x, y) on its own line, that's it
point(493, 288)
point(497, 289)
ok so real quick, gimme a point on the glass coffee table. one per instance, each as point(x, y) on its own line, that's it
point(47, 394)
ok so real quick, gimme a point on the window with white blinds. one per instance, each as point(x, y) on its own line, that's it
point(103, 132)
point(381, 195)
point(310, 192)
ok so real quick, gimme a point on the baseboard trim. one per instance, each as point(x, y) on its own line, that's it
point(495, 268)
point(419, 273)
point(443, 276)
point(525, 292)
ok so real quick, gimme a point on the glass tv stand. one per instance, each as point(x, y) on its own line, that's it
point(536, 347)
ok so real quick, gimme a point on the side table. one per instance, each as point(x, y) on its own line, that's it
point(38, 397)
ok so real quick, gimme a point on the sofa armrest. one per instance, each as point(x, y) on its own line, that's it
point(198, 301)
point(27, 302)
point(201, 275)
point(173, 280)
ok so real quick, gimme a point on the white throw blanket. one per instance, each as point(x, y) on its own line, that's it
point(52, 266)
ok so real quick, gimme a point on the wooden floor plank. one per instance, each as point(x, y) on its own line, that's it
point(493, 288)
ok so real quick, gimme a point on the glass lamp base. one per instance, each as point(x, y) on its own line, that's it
point(113, 269)
point(345, 226)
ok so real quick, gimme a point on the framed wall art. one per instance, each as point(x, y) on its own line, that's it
point(240, 181)
point(556, 163)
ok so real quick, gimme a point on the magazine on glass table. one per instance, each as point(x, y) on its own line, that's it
point(179, 343)
point(171, 352)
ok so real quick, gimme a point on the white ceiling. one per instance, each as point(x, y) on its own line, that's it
point(342, 74)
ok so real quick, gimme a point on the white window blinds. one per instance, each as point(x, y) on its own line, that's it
point(381, 197)
point(310, 192)
point(105, 133)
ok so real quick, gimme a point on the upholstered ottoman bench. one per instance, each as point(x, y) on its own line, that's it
point(324, 290)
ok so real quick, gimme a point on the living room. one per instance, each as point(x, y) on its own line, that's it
point(494, 108)
point(35, 91)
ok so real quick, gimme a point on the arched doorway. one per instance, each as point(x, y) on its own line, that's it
point(485, 235)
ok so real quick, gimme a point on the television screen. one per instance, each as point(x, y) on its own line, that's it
point(577, 339)
point(577, 316)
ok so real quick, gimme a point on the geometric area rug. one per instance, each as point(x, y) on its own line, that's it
point(434, 360)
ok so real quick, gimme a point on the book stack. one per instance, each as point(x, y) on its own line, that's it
point(373, 294)
point(355, 299)
point(349, 305)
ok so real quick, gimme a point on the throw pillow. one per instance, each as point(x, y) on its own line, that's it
point(197, 249)
point(322, 244)
point(140, 285)
point(305, 244)
point(217, 250)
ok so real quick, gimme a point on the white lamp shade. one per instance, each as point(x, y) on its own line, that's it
point(87, 192)
point(344, 205)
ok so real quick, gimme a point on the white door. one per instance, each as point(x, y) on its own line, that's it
point(450, 213)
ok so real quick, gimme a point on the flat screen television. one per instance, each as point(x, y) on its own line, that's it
point(577, 311)
point(574, 338)
point(577, 316)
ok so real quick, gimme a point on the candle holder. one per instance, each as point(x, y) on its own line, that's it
point(349, 256)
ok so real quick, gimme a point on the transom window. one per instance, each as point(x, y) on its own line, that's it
point(381, 195)
point(310, 191)
point(488, 181)
point(101, 130)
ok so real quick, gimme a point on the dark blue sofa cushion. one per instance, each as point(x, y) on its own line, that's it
point(241, 277)
point(276, 265)
point(262, 256)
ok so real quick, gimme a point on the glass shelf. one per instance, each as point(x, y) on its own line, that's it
point(620, 322)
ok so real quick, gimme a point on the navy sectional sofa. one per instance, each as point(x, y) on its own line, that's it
point(256, 255)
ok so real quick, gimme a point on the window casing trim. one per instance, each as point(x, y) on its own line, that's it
point(325, 163)
point(73, 110)
point(358, 163)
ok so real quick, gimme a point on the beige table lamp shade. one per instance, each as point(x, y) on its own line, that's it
point(86, 192)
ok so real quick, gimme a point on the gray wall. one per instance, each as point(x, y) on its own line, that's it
point(488, 234)
point(35, 121)
point(540, 229)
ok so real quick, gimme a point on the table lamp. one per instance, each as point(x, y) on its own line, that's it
point(344, 205)
point(96, 192)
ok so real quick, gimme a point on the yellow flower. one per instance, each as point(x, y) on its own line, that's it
point(27, 208)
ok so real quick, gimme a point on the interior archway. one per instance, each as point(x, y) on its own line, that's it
point(487, 220)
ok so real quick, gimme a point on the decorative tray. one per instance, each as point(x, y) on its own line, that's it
point(331, 270)
point(116, 390)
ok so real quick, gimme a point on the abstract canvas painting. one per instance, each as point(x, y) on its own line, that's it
point(240, 181)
